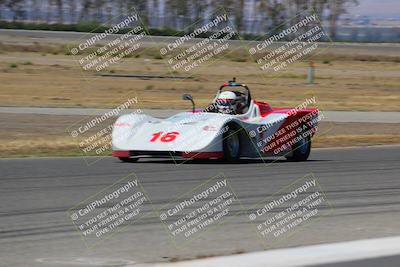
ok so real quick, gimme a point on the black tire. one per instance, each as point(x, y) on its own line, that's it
point(301, 150)
point(231, 145)
point(123, 159)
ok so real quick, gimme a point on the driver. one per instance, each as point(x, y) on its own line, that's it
point(229, 103)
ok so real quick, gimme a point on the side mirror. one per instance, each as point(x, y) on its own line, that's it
point(190, 98)
point(187, 97)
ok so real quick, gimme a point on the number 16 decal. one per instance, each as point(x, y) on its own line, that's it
point(167, 137)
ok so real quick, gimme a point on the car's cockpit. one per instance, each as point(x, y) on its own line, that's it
point(242, 99)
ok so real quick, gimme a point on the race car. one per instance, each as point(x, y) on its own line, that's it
point(232, 127)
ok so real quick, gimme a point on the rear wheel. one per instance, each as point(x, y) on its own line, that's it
point(231, 145)
point(123, 159)
point(301, 150)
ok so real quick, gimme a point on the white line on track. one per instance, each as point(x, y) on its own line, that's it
point(303, 256)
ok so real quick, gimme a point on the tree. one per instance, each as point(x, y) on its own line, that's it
point(140, 7)
point(86, 6)
point(238, 12)
point(336, 8)
point(72, 10)
point(273, 13)
point(99, 4)
point(2, 4)
point(16, 7)
point(60, 9)
point(178, 10)
point(319, 6)
point(199, 8)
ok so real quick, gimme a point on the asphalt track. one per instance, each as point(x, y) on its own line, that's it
point(362, 184)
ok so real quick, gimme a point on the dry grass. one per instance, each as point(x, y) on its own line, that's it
point(355, 140)
point(341, 134)
point(344, 81)
point(62, 146)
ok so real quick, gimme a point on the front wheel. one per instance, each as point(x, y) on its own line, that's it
point(231, 145)
point(301, 150)
point(124, 159)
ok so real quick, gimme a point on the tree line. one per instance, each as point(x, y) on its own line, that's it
point(248, 16)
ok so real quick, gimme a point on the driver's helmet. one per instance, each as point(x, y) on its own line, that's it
point(228, 102)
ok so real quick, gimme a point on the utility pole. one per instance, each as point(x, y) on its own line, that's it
point(310, 73)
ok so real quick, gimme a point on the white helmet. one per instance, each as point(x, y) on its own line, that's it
point(227, 102)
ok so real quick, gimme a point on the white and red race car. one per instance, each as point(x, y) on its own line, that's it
point(260, 131)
